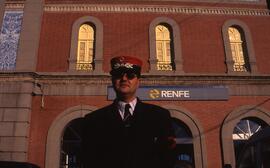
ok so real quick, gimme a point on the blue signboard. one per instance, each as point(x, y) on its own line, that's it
point(151, 93)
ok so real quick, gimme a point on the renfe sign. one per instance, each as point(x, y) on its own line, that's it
point(178, 93)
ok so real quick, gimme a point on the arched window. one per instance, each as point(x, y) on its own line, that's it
point(86, 49)
point(240, 55)
point(85, 52)
point(71, 145)
point(242, 132)
point(257, 150)
point(238, 49)
point(184, 144)
point(163, 48)
point(238, 127)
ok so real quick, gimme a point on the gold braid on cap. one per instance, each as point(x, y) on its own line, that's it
point(126, 65)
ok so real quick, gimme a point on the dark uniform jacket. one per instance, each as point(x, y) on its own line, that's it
point(144, 143)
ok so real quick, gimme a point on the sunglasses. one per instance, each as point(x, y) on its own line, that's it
point(129, 75)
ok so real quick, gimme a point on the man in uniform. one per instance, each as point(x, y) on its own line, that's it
point(128, 133)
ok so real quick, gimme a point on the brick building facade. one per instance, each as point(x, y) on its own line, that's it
point(43, 94)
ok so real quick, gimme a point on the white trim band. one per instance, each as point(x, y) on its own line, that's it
point(154, 9)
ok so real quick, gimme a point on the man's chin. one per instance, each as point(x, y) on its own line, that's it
point(124, 91)
point(124, 88)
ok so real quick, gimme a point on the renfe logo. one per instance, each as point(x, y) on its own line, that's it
point(178, 93)
point(172, 93)
point(155, 93)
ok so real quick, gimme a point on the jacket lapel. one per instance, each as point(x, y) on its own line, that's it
point(138, 110)
point(114, 113)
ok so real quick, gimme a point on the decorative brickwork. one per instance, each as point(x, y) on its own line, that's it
point(155, 9)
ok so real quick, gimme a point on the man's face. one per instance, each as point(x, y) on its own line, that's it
point(125, 85)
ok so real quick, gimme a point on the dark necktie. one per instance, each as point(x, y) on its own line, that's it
point(127, 114)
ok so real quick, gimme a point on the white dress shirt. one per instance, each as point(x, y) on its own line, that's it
point(121, 107)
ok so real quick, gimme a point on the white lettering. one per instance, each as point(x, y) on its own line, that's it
point(172, 93)
point(163, 93)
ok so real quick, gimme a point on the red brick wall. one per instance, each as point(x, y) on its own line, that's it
point(260, 30)
point(128, 34)
point(201, 37)
point(210, 115)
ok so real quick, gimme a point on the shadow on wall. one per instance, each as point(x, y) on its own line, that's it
point(10, 164)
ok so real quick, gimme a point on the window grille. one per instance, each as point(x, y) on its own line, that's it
point(163, 48)
point(239, 55)
point(85, 53)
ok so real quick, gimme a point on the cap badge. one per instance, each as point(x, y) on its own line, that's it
point(126, 65)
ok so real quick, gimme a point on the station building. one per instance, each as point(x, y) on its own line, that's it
point(206, 61)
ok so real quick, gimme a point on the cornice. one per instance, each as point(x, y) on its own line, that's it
point(154, 9)
point(61, 84)
point(17, 5)
point(62, 78)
